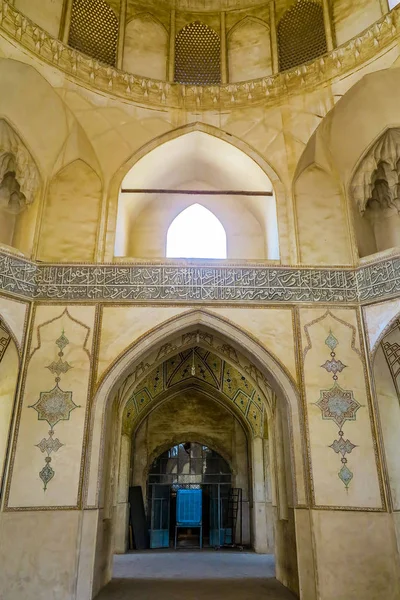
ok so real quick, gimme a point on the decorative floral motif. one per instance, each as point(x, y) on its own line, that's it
point(54, 406)
point(338, 405)
point(333, 366)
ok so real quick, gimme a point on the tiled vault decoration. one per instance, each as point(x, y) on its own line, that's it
point(4, 340)
point(54, 406)
point(338, 405)
point(204, 367)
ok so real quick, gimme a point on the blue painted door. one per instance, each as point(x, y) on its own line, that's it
point(159, 527)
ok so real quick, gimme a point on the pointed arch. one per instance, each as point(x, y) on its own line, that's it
point(146, 47)
point(131, 359)
point(196, 233)
point(71, 214)
point(276, 206)
point(249, 50)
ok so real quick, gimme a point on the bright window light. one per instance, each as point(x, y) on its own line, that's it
point(196, 233)
point(393, 3)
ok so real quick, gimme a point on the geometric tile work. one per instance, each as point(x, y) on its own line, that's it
point(206, 367)
point(54, 406)
point(338, 405)
point(391, 350)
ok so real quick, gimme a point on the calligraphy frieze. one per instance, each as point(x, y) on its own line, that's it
point(190, 283)
point(17, 276)
point(379, 280)
point(174, 283)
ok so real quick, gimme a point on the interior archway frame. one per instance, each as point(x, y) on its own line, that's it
point(288, 253)
point(104, 400)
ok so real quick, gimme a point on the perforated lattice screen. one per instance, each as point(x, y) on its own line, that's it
point(94, 30)
point(301, 34)
point(197, 55)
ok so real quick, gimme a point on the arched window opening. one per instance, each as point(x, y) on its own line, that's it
point(94, 30)
point(196, 233)
point(198, 55)
point(301, 34)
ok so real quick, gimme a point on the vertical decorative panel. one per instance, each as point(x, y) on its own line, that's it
point(48, 449)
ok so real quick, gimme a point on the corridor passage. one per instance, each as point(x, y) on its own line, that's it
point(194, 575)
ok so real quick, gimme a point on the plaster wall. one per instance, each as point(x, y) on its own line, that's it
point(46, 13)
point(350, 19)
point(249, 50)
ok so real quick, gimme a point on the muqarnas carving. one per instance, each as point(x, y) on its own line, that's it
point(376, 191)
point(19, 176)
point(338, 405)
point(54, 406)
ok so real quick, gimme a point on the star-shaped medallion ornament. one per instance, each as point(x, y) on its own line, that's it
point(338, 405)
point(54, 406)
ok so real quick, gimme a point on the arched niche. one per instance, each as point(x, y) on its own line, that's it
point(71, 213)
point(9, 370)
point(344, 137)
point(146, 47)
point(19, 187)
point(386, 385)
point(199, 161)
point(321, 219)
point(129, 369)
point(375, 191)
point(249, 50)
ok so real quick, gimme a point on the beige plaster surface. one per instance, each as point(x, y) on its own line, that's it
point(378, 317)
point(272, 327)
point(124, 325)
point(38, 555)
point(13, 312)
point(339, 537)
point(249, 50)
point(46, 13)
point(74, 196)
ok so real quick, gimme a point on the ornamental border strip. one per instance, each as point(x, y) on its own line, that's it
point(254, 284)
point(145, 91)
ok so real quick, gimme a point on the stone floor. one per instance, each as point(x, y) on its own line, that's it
point(194, 575)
